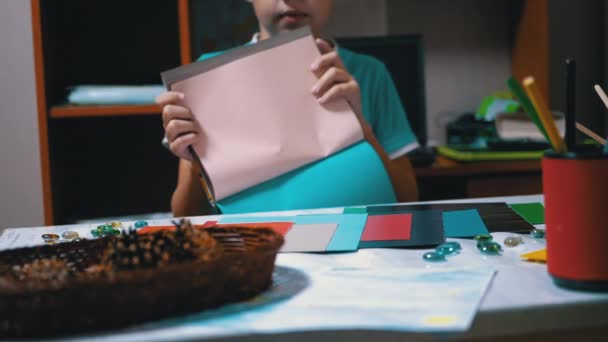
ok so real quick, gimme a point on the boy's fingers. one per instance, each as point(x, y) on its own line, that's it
point(323, 46)
point(172, 112)
point(180, 145)
point(332, 76)
point(325, 62)
point(176, 128)
point(338, 90)
point(169, 97)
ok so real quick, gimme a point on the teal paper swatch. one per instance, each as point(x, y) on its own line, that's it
point(463, 223)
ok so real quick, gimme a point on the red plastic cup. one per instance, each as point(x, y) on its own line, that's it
point(575, 186)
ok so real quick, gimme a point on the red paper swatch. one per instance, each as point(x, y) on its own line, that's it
point(388, 227)
point(279, 227)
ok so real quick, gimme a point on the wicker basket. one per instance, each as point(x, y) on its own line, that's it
point(240, 267)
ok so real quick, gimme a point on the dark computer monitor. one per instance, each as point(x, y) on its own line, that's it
point(403, 56)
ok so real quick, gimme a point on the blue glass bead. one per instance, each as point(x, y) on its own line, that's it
point(141, 224)
point(433, 257)
point(446, 250)
point(483, 238)
point(513, 241)
point(454, 244)
point(538, 233)
point(95, 232)
point(489, 248)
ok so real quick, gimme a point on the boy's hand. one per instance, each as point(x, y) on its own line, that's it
point(334, 81)
point(181, 129)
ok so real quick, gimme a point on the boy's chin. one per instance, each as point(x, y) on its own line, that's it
point(286, 27)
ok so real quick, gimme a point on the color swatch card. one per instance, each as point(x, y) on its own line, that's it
point(259, 114)
point(406, 229)
point(309, 237)
point(497, 217)
point(388, 227)
point(463, 224)
point(534, 213)
point(314, 233)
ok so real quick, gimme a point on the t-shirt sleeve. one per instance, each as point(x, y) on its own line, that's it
point(390, 123)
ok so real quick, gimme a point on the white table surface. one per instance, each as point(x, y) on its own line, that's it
point(522, 298)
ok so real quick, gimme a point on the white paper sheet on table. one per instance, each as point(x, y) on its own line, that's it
point(398, 299)
point(402, 299)
point(258, 115)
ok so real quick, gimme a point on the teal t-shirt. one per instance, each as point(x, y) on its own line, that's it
point(354, 176)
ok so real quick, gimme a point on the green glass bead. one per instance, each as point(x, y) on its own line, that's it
point(141, 224)
point(513, 241)
point(115, 232)
point(50, 237)
point(104, 227)
point(108, 229)
point(483, 238)
point(454, 244)
point(69, 235)
point(446, 250)
point(489, 248)
point(95, 232)
point(433, 257)
point(538, 233)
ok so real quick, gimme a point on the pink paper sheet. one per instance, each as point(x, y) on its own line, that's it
point(260, 119)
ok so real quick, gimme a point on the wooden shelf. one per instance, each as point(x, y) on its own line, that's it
point(447, 167)
point(96, 111)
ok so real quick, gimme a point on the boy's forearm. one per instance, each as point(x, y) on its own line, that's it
point(400, 172)
point(188, 197)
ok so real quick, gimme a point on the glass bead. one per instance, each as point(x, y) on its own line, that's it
point(69, 235)
point(96, 232)
point(489, 248)
point(446, 250)
point(108, 229)
point(538, 233)
point(116, 224)
point(115, 232)
point(433, 257)
point(50, 237)
point(513, 241)
point(141, 224)
point(483, 238)
point(104, 227)
point(454, 244)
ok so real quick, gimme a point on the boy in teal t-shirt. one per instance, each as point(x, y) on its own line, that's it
point(377, 171)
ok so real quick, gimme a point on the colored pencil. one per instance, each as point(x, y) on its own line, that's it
point(545, 115)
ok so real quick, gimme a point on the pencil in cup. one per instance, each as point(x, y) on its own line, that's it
point(545, 115)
